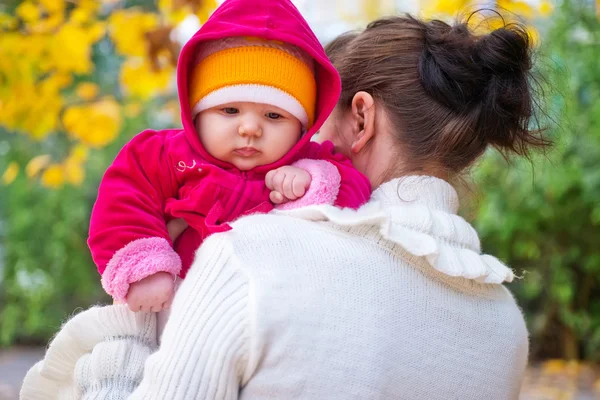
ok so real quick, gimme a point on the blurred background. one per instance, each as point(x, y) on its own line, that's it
point(79, 78)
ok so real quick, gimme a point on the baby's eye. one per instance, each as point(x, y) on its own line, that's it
point(273, 115)
point(230, 110)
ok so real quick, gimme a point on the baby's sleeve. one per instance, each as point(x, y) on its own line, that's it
point(334, 180)
point(128, 236)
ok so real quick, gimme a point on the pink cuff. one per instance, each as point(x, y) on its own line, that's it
point(324, 186)
point(136, 261)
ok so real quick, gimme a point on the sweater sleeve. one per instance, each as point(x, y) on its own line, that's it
point(104, 352)
point(128, 236)
point(98, 354)
point(205, 347)
point(334, 179)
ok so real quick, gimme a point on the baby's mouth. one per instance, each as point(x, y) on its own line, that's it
point(247, 151)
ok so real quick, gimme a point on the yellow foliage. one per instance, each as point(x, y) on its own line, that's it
point(79, 153)
point(36, 164)
point(76, 57)
point(87, 90)
point(49, 24)
point(510, 10)
point(555, 366)
point(173, 15)
point(39, 61)
point(28, 11)
point(132, 110)
point(8, 21)
point(206, 9)
point(53, 6)
point(127, 30)
point(93, 6)
point(10, 174)
point(81, 15)
point(96, 31)
point(73, 172)
point(53, 177)
point(518, 8)
point(48, 44)
point(36, 113)
point(70, 171)
point(546, 8)
point(440, 8)
point(96, 124)
point(73, 165)
point(55, 82)
point(140, 80)
point(176, 10)
point(42, 16)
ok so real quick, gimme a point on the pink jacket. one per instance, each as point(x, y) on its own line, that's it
point(162, 175)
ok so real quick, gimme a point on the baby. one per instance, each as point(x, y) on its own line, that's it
point(250, 103)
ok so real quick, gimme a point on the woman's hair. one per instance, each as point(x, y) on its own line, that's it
point(448, 92)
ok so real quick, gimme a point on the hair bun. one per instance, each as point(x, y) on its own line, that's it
point(504, 51)
point(447, 68)
point(505, 57)
point(487, 76)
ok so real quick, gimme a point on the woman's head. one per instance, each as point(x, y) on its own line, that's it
point(428, 97)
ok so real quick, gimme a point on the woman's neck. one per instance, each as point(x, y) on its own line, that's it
point(403, 171)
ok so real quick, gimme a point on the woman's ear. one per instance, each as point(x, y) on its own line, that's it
point(363, 113)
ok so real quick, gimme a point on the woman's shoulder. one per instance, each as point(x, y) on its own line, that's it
point(291, 258)
point(277, 230)
point(417, 232)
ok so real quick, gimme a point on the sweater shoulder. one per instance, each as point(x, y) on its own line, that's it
point(288, 242)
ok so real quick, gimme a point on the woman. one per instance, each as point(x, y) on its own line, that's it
point(392, 301)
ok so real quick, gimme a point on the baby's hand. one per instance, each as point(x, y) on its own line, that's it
point(153, 293)
point(287, 183)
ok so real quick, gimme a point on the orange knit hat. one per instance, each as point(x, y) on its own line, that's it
point(254, 70)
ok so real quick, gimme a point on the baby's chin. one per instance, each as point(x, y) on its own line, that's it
point(249, 164)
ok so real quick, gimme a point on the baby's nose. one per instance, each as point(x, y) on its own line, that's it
point(250, 127)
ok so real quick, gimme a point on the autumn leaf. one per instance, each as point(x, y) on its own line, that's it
point(139, 78)
point(96, 124)
point(37, 164)
point(128, 28)
point(87, 90)
point(53, 177)
point(10, 174)
point(159, 41)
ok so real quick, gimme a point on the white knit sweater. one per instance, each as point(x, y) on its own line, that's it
point(393, 301)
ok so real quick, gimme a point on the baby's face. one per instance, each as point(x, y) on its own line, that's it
point(247, 134)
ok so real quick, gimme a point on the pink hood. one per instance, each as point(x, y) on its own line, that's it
point(271, 20)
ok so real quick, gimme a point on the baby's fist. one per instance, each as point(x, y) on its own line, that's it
point(151, 294)
point(287, 183)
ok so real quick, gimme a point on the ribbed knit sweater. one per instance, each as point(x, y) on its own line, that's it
point(392, 301)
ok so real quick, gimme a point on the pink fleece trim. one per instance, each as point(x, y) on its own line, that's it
point(324, 186)
point(136, 261)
